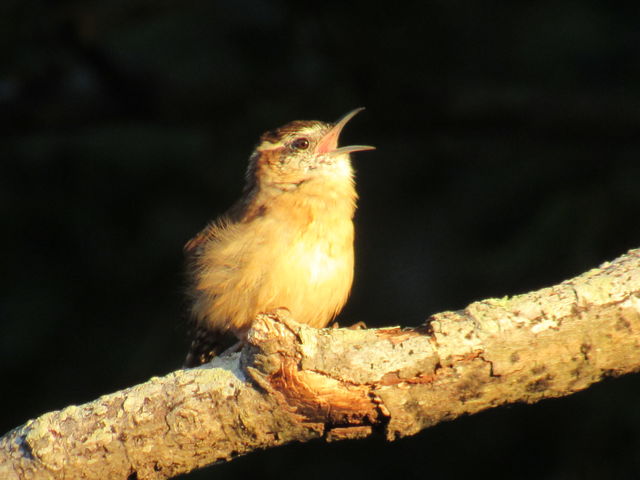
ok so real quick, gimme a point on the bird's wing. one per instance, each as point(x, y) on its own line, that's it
point(192, 246)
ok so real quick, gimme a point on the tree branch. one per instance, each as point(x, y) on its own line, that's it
point(295, 383)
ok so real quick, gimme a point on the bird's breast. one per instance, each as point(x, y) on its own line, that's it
point(297, 256)
point(321, 263)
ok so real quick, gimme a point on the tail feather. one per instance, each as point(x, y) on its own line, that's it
point(206, 344)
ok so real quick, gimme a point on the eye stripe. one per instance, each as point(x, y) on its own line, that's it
point(267, 145)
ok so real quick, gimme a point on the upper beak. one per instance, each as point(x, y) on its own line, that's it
point(329, 143)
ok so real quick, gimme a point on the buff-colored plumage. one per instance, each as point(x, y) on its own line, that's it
point(288, 242)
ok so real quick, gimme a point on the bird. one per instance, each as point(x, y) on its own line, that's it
point(286, 243)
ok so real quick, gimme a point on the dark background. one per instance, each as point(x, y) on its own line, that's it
point(507, 160)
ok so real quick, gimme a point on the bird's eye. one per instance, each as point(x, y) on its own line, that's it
point(301, 143)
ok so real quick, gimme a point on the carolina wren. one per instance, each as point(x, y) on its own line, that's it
point(287, 243)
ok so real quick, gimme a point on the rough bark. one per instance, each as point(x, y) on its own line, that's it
point(294, 383)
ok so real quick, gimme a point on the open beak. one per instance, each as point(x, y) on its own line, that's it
point(329, 143)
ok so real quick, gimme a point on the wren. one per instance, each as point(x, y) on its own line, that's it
point(286, 243)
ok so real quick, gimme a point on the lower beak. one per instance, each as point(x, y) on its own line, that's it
point(329, 143)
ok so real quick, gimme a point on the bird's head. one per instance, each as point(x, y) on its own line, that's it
point(300, 151)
